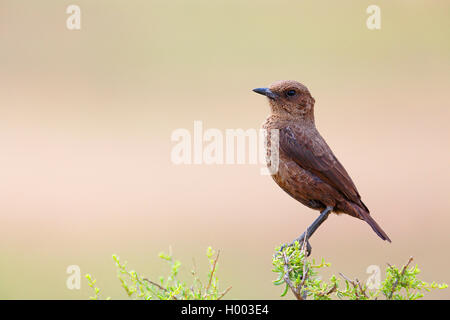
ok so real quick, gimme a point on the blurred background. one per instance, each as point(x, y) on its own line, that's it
point(86, 118)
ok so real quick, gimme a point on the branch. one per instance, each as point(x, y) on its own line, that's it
point(224, 293)
point(356, 285)
point(287, 279)
point(402, 273)
point(159, 286)
point(212, 271)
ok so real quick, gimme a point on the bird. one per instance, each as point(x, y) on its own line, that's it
point(307, 168)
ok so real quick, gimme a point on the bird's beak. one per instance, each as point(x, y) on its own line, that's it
point(266, 92)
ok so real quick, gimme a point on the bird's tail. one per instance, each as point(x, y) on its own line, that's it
point(367, 218)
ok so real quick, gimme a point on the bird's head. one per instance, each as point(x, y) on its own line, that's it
point(289, 99)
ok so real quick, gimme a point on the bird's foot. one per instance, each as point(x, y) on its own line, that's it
point(303, 242)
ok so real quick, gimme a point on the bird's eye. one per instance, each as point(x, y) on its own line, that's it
point(291, 93)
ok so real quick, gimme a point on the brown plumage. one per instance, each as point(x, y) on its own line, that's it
point(308, 170)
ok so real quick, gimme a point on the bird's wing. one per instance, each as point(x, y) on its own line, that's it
point(314, 155)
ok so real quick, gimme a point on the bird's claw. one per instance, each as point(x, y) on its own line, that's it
point(301, 240)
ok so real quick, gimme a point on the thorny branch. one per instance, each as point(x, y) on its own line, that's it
point(224, 293)
point(356, 285)
point(159, 286)
point(286, 277)
point(212, 271)
point(287, 272)
point(402, 273)
point(194, 273)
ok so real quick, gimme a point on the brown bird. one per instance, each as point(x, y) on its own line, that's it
point(308, 170)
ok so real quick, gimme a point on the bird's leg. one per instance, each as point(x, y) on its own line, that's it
point(310, 230)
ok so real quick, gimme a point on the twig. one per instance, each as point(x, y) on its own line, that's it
point(402, 273)
point(287, 279)
point(356, 285)
point(196, 278)
point(304, 278)
point(345, 278)
point(332, 289)
point(363, 291)
point(224, 293)
point(155, 284)
point(212, 271)
point(305, 275)
point(159, 286)
point(305, 269)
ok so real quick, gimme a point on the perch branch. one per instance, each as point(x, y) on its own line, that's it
point(287, 279)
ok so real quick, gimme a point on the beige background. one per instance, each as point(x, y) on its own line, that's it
point(86, 118)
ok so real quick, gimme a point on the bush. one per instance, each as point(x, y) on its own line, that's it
point(170, 287)
point(300, 275)
point(293, 269)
